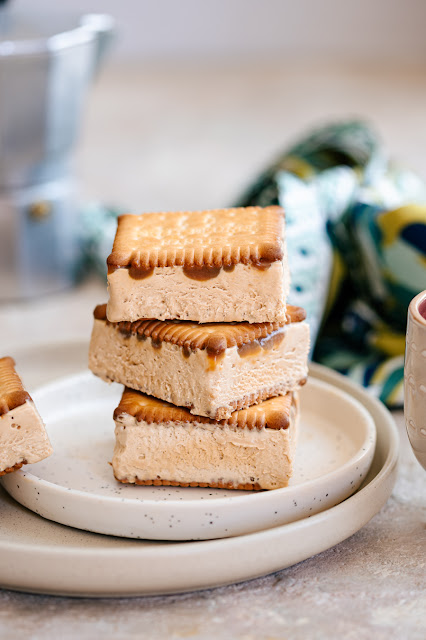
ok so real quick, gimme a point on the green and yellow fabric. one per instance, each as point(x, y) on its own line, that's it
point(356, 236)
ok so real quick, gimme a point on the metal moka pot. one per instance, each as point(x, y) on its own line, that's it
point(46, 67)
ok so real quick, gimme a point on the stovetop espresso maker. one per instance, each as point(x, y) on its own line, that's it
point(46, 67)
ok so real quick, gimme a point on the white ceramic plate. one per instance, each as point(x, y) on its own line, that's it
point(41, 556)
point(76, 486)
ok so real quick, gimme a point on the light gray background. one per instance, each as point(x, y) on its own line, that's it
point(389, 31)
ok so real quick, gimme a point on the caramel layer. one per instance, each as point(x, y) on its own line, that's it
point(201, 274)
point(255, 347)
point(215, 338)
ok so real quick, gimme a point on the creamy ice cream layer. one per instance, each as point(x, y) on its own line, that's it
point(204, 453)
point(22, 436)
point(246, 293)
point(212, 388)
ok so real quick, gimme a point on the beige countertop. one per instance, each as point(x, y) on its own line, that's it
point(191, 138)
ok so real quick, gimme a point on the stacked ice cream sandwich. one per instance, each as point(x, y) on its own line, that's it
point(198, 330)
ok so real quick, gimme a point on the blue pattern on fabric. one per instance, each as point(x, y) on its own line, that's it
point(365, 222)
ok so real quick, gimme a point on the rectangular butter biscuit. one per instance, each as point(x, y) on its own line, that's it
point(213, 369)
point(23, 438)
point(160, 444)
point(222, 265)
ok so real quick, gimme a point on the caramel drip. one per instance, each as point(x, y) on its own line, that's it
point(208, 273)
point(272, 341)
point(186, 351)
point(255, 348)
point(213, 360)
point(136, 272)
point(249, 349)
point(12, 392)
point(156, 343)
point(261, 266)
point(140, 274)
point(201, 273)
point(215, 338)
point(273, 413)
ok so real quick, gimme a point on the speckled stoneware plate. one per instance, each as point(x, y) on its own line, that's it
point(76, 486)
point(41, 556)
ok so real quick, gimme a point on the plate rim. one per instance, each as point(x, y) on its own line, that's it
point(173, 548)
point(249, 498)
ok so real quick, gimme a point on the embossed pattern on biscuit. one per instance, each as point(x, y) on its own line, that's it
point(272, 414)
point(12, 392)
point(214, 238)
point(215, 338)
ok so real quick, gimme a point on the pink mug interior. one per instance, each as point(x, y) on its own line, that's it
point(422, 308)
point(415, 377)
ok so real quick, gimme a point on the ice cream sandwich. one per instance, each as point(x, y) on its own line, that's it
point(23, 438)
point(221, 265)
point(160, 444)
point(212, 369)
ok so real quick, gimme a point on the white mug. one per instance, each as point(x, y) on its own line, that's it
point(415, 377)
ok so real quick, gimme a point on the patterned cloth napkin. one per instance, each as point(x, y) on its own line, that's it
point(356, 237)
